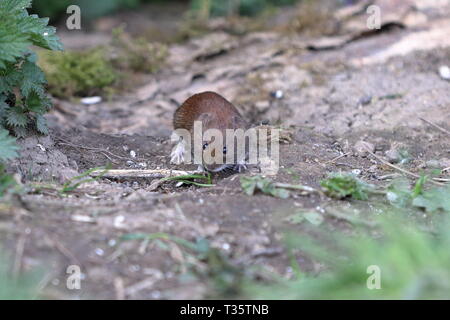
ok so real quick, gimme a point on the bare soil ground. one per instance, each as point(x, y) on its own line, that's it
point(331, 100)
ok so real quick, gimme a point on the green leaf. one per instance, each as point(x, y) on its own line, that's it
point(14, 6)
point(314, 218)
point(296, 218)
point(3, 108)
point(434, 200)
point(10, 77)
point(37, 104)
point(342, 185)
point(39, 33)
point(33, 79)
point(16, 118)
point(8, 147)
point(41, 124)
point(399, 193)
point(12, 42)
point(20, 132)
point(251, 184)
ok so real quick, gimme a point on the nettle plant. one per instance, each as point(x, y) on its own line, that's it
point(23, 100)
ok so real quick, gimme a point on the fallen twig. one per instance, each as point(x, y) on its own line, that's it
point(135, 173)
point(337, 158)
point(436, 181)
point(305, 189)
point(100, 150)
point(436, 126)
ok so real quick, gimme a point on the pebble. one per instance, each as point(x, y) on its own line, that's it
point(393, 156)
point(361, 148)
point(444, 72)
point(365, 100)
point(142, 165)
point(91, 100)
point(133, 154)
point(277, 94)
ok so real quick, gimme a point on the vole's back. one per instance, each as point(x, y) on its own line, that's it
point(223, 114)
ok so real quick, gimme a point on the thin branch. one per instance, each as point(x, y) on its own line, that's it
point(436, 126)
point(132, 173)
point(103, 151)
point(433, 180)
point(337, 158)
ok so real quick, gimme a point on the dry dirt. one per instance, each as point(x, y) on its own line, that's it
point(331, 100)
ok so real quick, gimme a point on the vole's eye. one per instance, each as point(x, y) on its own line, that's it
point(224, 150)
point(205, 145)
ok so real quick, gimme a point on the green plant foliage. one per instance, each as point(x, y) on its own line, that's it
point(77, 73)
point(17, 287)
point(413, 265)
point(22, 96)
point(137, 54)
point(242, 7)
point(342, 185)
point(258, 183)
point(91, 9)
point(8, 147)
point(401, 195)
point(7, 182)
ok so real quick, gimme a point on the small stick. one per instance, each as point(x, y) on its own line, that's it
point(436, 126)
point(337, 158)
point(134, 173)
point(434, 180)
point(296, 187)
point(93, 149)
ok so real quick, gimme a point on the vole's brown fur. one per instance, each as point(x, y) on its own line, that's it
point(214, 112)
point(212, 109)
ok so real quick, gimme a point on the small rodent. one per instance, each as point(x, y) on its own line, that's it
point(214, 112)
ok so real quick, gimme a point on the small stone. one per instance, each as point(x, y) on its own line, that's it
point(434, 164)
point(356, 172)
point(444, 163)
point(365, 100)
point(444, 72)
point(362, 148)
point(142, 165)
point(133, 154)
point(278, 94)
point(119, 222)
point(91, 100)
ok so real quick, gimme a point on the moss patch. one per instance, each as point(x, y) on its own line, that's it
point(101, 70)
point(74, 73)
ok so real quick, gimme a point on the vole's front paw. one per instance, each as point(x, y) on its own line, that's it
point(202, 170)
point(177, 155)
